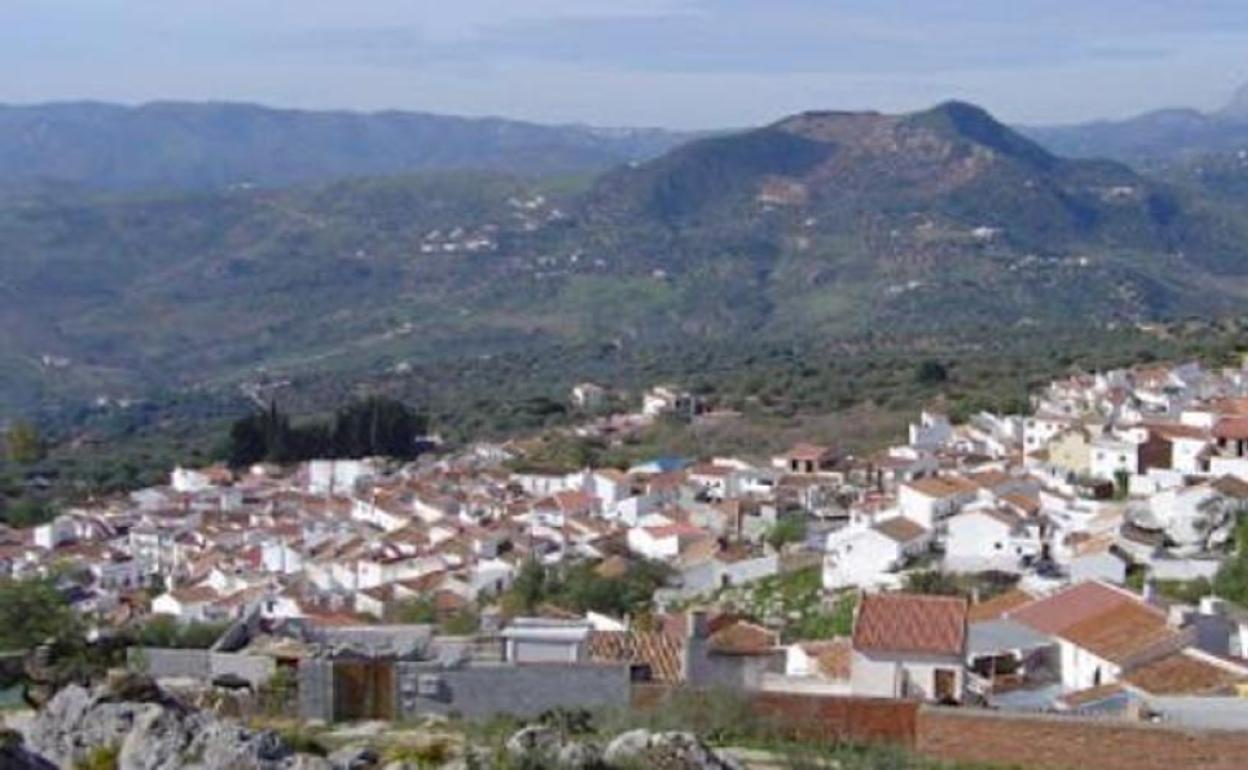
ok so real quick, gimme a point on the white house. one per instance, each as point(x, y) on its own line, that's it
point(910, 646)
point(932, 431)
point(1111, 456)
point(665, 541)
point(588, 396)
point(928, 501)
point(189, 605)
point(1101, 630)
point(865, 555)
point(338, 477)
point(990, 538)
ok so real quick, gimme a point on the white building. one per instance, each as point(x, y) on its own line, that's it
point(866, 555)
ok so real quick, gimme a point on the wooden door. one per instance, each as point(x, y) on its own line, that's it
point(946, 685)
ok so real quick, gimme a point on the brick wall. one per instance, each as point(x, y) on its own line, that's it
point(852, 720)
point(1064, 743)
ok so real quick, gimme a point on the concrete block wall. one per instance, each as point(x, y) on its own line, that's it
point(163, 663)
point(481, 691)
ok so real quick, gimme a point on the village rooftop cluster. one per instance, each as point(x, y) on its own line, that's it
point(1129, 477)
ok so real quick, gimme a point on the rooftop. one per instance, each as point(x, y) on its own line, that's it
point(911, 623)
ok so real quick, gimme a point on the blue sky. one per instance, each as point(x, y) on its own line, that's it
point(677, 63)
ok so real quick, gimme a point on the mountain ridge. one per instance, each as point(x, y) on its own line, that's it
point(212, 145)
point(821, 225)
point(1156, 137)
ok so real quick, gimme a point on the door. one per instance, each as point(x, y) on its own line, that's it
point(946, 689)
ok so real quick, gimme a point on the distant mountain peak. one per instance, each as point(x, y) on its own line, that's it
point(1237, 109)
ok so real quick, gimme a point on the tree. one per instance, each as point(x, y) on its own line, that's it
point(528, 590)
point(418, 610)
point(23, 444)
point(24, 513)
point(933, 582)
point(33, 612)
point(790, 528)
point(931, 373)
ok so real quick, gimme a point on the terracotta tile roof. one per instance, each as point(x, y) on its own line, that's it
point(1060, 611)
point(1028, 504)
point(659, 650)
point(743, 638)
point(942, 486)
point(1183, 673)
point(195, 594)
point(1121, 633)
point(911, 623)
point(1231, 486)
point(833, 657)
point(989, 479)
point(811, 452)
point(1234, 428)
point(1091, 695)
point(1179, 431)
point(998, 606)
point(900, 529)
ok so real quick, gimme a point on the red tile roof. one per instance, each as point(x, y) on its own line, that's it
point(743, 638)
point(1062, 610)
point(1234, 428)
point(999, 605)
point(1183, 673)
point(900, 529)
point(658, 650)
point(911, 623)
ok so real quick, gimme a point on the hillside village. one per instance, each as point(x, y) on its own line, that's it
point(1058, 543)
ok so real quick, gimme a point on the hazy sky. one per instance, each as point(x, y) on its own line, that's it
point(679, 63)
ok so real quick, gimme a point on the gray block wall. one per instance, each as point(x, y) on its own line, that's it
point(482, 691)
point(316, 689)
point(163, 663)
point(166, 663)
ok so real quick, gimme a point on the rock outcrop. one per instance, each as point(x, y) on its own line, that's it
point(150, 731)
point(635, 748)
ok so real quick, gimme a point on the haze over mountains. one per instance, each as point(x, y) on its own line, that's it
point(1162, 136)
point(182, 145)
point(824, 225)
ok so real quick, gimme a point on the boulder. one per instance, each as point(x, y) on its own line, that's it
point(18, 758)
point(533, 741)
point(354, 758)
point(14, 756)
point(155, 733)
point(664, 751)
point(578, 756)
point(626, 748)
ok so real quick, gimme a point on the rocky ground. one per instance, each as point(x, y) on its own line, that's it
point(129, 723)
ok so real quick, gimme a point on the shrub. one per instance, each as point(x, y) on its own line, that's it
point(100, 758)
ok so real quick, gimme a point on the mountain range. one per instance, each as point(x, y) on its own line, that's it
point(1160, 137)
point(181, 145)
point(824, 225)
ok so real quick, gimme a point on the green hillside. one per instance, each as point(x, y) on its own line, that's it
point(823, 226)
